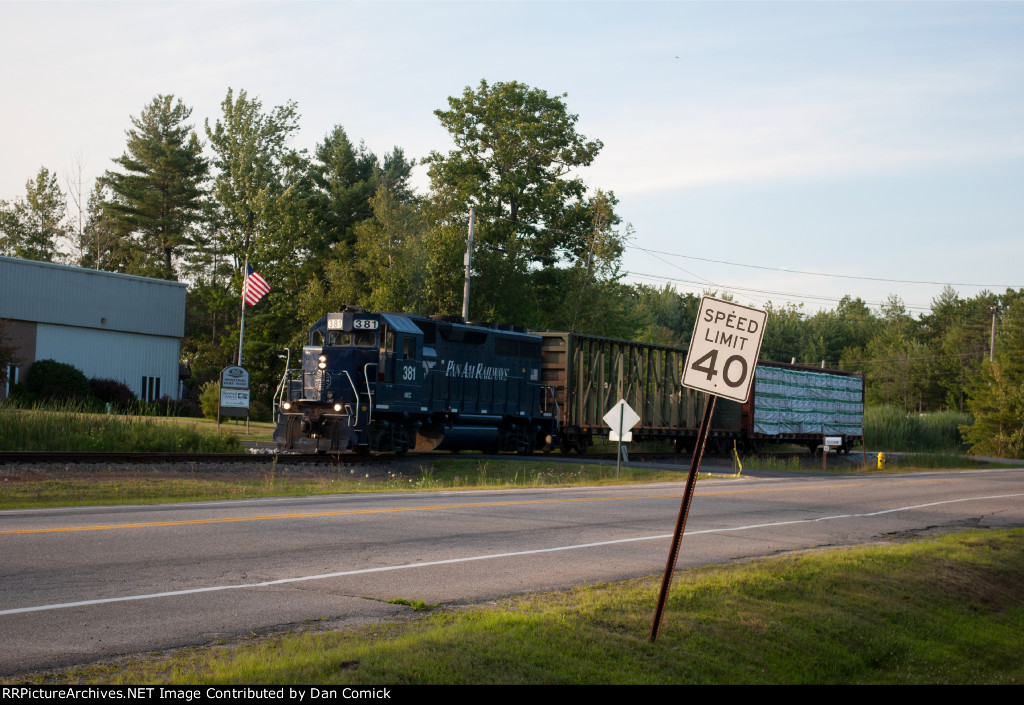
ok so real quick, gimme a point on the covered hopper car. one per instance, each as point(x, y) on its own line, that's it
point(395, 382)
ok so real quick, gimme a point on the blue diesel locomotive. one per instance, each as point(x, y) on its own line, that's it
point(394, 382)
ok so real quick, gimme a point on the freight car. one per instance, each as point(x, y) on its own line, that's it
point(791, 404)
point(394, 382)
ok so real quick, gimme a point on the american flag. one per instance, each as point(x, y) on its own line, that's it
point(255, 286)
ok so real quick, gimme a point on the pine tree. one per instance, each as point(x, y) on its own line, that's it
point(34, 227)
point(157, 198)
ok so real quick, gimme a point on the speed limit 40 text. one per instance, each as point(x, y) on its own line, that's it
point(740, 324)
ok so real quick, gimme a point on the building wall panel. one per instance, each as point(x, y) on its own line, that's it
point(127, 357)
point(86, 298)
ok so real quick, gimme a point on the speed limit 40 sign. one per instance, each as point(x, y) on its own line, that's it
point(724, 350)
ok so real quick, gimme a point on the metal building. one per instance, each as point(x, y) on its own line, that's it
point(112, 326)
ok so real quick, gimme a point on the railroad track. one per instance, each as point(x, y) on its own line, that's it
point(47, 457)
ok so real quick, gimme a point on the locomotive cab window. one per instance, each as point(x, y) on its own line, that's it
point(365, 339)
point(337, 337)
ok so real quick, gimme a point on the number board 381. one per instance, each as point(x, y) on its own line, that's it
point(724, 350)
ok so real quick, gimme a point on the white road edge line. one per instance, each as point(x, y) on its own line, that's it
point(492, 556)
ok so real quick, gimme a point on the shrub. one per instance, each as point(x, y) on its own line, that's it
point(56, 380)
point(111, 391)
point(20, 396)
point(209, 399)
point(260, 411)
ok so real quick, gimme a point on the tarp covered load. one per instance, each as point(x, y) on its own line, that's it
point(794, 401)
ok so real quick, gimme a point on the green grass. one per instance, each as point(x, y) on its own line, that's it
point(445, 473)
point(908, 462)
point(889, 428)
point(946, 610)
point(124, 488)
point(79, 487)
point(67, 429)
point(416, 605)
point(258, 430)
point(85, 486)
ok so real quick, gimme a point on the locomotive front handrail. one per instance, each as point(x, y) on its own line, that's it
point(369, 394)
point(355, 396)
point(279, 393)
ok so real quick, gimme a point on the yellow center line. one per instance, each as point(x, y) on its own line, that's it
point(435, 507)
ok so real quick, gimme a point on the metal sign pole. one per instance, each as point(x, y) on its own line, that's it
point(618, 456)
point(684, 511)
point(241, 326)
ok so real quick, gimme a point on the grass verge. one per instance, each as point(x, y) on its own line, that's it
point(906, 462)
point(80, 486)
point(948, 609)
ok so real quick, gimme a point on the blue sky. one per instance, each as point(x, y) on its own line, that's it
point(865, 139)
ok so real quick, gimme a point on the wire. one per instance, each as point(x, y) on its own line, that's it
point(789, 296)
point(818, 274)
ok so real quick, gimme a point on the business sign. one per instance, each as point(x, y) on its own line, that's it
point(234, 377)
point(234, 393)
point(235, 398)
point(724, 350)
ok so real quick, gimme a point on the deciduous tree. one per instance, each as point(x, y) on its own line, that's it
point(516, 160)
point(254, 166)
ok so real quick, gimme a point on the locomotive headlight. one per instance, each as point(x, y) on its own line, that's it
point(322, 358)
point(337, 407)
point(322, 365)
point(287, 405)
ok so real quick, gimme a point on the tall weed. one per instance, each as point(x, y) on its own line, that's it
point(67, 427)
point(891, 428)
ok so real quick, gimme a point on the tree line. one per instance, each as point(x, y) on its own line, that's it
point(341, 225)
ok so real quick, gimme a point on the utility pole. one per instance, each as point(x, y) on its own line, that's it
point(469, 264)
point(992, 345)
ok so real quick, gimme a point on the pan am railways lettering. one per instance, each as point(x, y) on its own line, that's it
point(470, 371)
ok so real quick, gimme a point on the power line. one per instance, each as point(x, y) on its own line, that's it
point(789, 296)
point(818, 274)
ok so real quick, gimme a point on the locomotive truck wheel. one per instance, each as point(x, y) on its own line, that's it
point(581, 443)
point(524, 440)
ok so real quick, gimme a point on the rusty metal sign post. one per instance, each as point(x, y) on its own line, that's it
point(726, 344)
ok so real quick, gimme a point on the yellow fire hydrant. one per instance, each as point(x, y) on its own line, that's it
point(881, 461)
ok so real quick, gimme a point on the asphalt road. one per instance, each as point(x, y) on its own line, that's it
point(77, 585)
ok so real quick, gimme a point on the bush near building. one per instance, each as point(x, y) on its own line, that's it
point(111, 391)
point(49, 379)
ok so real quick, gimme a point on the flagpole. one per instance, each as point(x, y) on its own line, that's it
point(241, 329)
